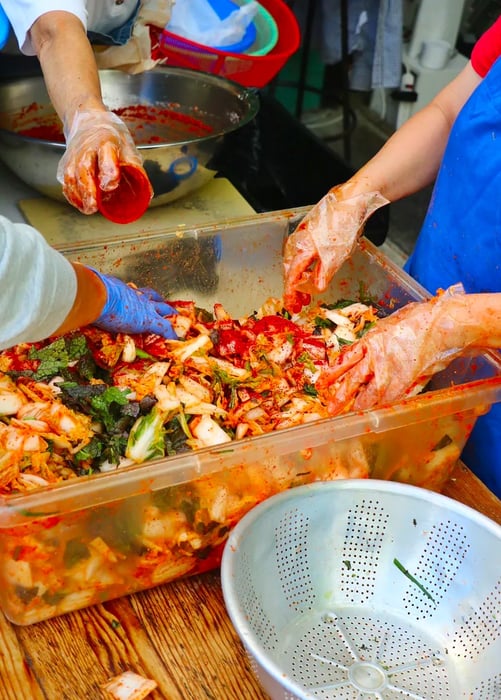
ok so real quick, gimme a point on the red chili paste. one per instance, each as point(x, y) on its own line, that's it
point(44, 132)
point(148, 124)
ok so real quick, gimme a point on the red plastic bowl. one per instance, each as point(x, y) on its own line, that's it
point(250, 71)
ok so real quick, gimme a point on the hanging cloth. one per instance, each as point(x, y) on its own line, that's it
point(374, 39)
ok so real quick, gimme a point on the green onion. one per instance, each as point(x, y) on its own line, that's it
point(405, 571)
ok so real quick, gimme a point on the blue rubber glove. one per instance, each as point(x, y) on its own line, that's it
point(129, 310)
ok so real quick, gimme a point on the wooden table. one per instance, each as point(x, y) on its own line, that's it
point(179, 634)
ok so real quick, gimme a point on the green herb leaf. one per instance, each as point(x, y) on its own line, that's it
point(323, 323)
point(74, 552)
point(91, 451)
point(339, 304)
point(366, 328)
point(25, 594)
point(443, 442)
point(102, 404)
point(56, 356)
point(143, 354)
point(305, 359)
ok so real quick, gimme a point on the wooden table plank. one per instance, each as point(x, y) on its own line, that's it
point(16, 678)
point(194, 610)
point(178, 634)
point(465, 487)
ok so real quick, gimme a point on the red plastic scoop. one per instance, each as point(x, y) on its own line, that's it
point(130, 199)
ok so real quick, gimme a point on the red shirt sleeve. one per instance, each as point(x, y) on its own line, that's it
point(487, 49)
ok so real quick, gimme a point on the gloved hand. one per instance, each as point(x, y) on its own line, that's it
point(398, 356)
point(131, 310)
point(97, 144)
point(321, 243)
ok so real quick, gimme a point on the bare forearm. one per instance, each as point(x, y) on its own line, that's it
point(68, 64)
point(89, 301)
point(407, 162)
point(411, 157)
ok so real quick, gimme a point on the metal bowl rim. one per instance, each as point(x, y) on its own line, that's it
point(241, 92)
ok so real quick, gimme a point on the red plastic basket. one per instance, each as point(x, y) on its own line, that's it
point(250, 71)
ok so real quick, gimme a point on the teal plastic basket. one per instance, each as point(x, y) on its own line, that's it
point(266, 33)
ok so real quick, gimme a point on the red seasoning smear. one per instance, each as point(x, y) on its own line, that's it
point(148, 124)
point(44, 132)
point(138, 116)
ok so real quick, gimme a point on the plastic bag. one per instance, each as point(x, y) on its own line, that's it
point(197, 20)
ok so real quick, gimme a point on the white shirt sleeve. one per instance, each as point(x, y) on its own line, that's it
point(38, 285)
point(22, 14)
point(95, 15)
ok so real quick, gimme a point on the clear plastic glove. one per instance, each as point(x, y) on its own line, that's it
point(131, 310)
point(97, 145)
point(324, 239)
point(397, 358)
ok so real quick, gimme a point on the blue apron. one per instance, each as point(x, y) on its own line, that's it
point(460, 240)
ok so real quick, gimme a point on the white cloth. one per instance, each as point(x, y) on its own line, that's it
point(95, 15)
point(374, 39)
point(38, 285)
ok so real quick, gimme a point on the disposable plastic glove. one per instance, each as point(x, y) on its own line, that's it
point(131, 310)
point(98, 144)
point(321, 243)
point(398, 356)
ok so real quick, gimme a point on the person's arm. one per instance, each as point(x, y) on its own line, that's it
point(68, 64)
point(397, 357)
point(38, 286)
point(98, 143)
point(411, 157)
point(43, 294)
point(406, 163)
point(89, 301)
point(107, 302)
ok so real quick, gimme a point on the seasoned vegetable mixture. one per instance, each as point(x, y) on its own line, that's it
point(92, 401)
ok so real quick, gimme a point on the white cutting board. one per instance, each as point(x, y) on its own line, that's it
point(62, 224)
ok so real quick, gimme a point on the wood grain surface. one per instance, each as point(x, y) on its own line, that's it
point(178, 634)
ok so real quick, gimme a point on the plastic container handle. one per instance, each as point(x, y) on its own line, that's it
point(4, 28)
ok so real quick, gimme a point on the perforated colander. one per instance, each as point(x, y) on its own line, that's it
point(364, 589)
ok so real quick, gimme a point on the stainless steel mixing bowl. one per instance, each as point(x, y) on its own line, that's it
point(176, 151)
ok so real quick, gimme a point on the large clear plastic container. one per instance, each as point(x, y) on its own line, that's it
point(95, 538)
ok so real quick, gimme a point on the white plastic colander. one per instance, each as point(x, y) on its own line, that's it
point(365, 589)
